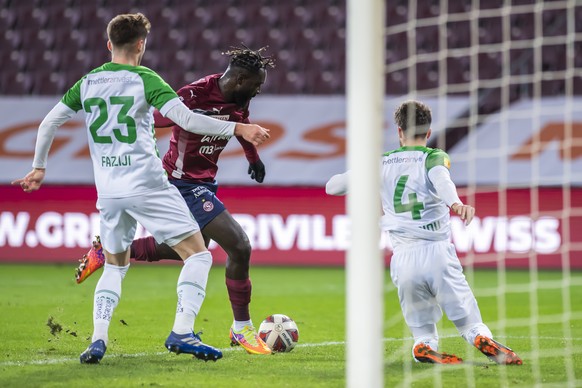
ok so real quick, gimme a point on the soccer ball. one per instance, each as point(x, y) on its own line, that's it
point(279, 332)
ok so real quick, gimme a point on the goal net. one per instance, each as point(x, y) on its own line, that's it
point(503, 79)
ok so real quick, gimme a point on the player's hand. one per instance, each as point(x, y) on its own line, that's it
point(252, 133)
point(465, 212)
point(32, 181)
point(257, 171)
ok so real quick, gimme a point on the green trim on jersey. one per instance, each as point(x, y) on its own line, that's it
point(437, 157)
point(72, 97)
point(157, 91)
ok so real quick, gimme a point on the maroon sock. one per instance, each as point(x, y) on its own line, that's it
point(239, 293)
point(144, 249)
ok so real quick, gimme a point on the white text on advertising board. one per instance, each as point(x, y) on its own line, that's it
point(313, 232)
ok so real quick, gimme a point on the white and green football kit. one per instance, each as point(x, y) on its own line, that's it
point(413, 210)
point(416, 193)
point(118, 101)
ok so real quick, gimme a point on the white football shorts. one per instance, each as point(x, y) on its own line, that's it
point(163, 213)
point(429, 277)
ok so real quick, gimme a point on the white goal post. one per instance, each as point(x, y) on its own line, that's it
point(365, 263)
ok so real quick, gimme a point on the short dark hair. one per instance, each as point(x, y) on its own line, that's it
point(248, 59)
point(414, 118)
point(128, 29)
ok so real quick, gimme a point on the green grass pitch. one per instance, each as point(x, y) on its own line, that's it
point(30, 356)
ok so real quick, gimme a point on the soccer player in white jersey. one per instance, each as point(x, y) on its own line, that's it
point(118, 99)
point(417, 192)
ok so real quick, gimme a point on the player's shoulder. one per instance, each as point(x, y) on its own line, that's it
point(435, 151)
point(193, 89)
point(205, 85)
point(145, 71)
point(152, 80)
point(437, 157)
point(202, 91)
point(209, 82)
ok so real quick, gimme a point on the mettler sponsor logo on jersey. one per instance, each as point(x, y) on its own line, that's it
point(398, 159)
point(108, 80)
point(116, 161)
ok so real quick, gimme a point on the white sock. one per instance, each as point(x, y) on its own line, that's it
point(470, 332)
point(433, 342)
point(427, 334)
point(239, 325)
point(191, 291)
point(105, 299)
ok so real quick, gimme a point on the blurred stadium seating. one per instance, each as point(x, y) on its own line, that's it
point(48, 44)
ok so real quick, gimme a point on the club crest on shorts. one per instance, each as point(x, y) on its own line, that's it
point(208, 206)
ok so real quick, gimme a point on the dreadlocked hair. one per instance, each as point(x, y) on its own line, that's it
point(249, 59)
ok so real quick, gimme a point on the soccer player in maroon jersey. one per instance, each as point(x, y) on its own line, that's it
point(191, 164)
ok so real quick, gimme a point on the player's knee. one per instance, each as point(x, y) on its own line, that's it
point(240, 250)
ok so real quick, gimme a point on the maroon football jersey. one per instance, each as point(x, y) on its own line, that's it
point(194, 157)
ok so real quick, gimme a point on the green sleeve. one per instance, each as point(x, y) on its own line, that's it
point(157, 91)
point(437, 158)
point(72, 97)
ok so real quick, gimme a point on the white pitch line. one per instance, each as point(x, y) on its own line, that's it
point(65, 360)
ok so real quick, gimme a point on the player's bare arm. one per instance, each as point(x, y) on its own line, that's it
point(465, 212)
point(46, 133)
point(252, 133)
point(32, 181)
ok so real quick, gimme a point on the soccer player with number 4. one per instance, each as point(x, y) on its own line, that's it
point(118, 99)
point(417, 192)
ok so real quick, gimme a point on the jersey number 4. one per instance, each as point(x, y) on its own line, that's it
point(122, 118)
point(414, 205)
